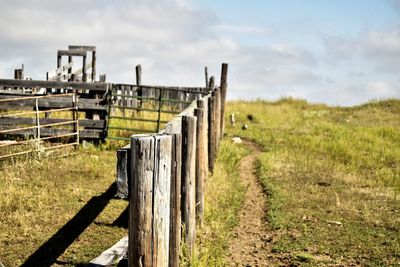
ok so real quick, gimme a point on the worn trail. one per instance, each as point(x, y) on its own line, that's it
point(251, 244)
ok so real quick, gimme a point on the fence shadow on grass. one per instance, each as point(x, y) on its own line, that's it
point(48, 253)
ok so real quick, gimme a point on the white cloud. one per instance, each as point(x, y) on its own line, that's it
point(174, 41)
point(243, 29)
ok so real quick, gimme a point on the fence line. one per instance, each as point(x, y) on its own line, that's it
point(170, 166)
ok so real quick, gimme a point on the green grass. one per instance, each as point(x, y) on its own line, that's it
point(224, 198)
point(332, 179)
point(38, 198)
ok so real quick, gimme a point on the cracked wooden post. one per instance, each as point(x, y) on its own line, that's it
point(199, 113)
point(149, 208)
point(175, 213)
point(161, 200)
point(141, 202)
point(224, 86)
point(211, 132)
point(189, 180)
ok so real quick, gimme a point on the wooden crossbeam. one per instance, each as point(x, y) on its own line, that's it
point(53, 84)
point(82, 48)
point(80, 53)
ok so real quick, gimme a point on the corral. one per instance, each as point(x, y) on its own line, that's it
point(162, 173)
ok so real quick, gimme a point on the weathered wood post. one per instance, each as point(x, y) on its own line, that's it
point(175, 213)
point(217, 121)
point(200, 160)
point(70, 68)
point(138, 83)
point(84, 72)
point(224, 86)
point(212, 82)
point(141, 202)
point(94, 65)
point(211, 132)
point(161, 200)
point(149, 209)
point(189, 180)
point(206, 76)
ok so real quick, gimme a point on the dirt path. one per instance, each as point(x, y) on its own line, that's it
point(251, 244)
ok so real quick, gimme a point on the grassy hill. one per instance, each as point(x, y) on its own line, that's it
point(332, 176)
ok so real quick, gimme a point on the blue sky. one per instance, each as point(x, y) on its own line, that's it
point(331, 51)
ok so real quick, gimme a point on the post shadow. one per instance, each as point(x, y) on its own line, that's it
point(48, 253)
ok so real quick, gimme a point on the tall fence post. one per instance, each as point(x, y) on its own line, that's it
point(206, 76)
point(161, 200)
point(175, 213)
point(199, 113)
point(218, 115)
point(211, 132)
point(149, 209)
point(224, 86)
point(141, 202)
point(160, 102)
point(189, 180)
point(138, 83)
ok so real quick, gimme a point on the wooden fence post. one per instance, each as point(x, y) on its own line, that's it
point(217, 121)
point(211, 132)
point(138, 83)
point(141, 202)
point(175, 214)
point(149, 209)
point(161, 200)
point(206, 74)
point(224, 86)
point(203, 103)
point(189, 179)
point(200, 162)
point(212, 82)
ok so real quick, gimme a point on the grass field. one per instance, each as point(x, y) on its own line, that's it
point(332, 179)
point(331, 176)
point(59, 204)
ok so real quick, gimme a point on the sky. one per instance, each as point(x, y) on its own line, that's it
point(341, 52)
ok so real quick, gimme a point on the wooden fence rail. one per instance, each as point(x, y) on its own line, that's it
point(165, 177)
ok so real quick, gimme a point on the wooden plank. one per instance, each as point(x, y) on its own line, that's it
point(223, 86)
point(84, 104)
point(47, 132)
point(82, 47)
point(13, 121)
point(53, 84)
point(161, 200)
point(198, 90)
point(141, 201)
point(112, 255)
point(78, 53)
point(201, 171)
point(175, 214)
point(123, 170)
point(189, 180)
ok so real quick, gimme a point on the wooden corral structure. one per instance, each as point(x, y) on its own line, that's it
point(105, 110)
